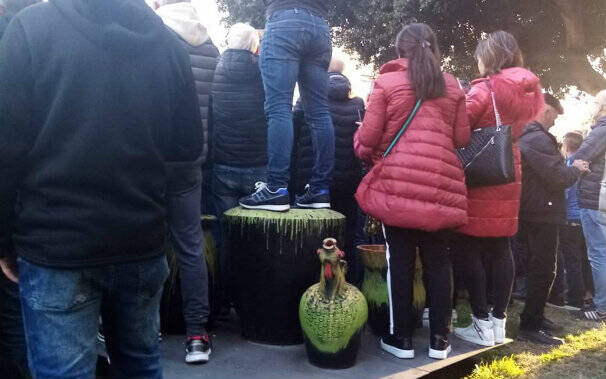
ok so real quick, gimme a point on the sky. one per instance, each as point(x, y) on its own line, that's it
point(576, 104)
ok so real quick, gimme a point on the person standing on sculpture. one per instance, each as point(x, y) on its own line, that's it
point(296, 48)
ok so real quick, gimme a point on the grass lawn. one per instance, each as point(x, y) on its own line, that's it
point(583, 356)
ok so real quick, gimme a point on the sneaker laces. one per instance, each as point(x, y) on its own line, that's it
point(260, 186)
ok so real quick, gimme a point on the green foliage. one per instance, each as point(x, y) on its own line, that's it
point(369, 27)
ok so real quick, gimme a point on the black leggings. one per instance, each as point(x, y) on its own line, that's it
point(475, 257)
point(402, 247)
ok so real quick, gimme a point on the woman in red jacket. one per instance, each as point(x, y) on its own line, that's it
point(493, 211)
point(417, 191)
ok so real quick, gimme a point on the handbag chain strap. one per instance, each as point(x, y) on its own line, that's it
point(404, 127)
point(497, 115)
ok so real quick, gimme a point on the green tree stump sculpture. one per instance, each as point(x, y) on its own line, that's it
point(273, 257)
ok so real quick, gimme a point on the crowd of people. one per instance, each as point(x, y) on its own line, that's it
point(121, 123)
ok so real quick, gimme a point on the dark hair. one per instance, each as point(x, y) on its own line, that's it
point(553, 102)
point(572, 141)
point(419, 44)
point(499, 51)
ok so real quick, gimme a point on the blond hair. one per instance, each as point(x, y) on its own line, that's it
point(498, 51)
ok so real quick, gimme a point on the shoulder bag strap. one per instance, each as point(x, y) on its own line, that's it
point(497, 115)
point(403, 129)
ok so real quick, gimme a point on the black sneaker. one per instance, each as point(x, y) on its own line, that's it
point(263, 198)
point(540, 336)
point(198, 349)
point(399, 347)
point(551, 326)
point(439, 347)
point(313, 199)
point(589, 312)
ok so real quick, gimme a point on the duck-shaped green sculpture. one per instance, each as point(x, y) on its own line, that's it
point(332, 313)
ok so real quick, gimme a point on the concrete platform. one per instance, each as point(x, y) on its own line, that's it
point(235, 358)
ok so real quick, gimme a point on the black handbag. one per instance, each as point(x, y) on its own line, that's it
point(488, 160)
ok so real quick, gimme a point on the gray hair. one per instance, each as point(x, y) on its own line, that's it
point(243, 36)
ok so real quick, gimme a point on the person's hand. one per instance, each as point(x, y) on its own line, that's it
point(9, 268)
point(581, 165)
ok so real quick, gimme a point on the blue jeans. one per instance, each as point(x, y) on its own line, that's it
point(297, 48)
point(183, 195)
point(61, 309)
point(13, 355)
point(594, 228)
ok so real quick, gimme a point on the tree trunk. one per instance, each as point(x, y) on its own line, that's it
point(576, 60)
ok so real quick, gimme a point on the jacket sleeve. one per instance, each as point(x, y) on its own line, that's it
point(477, 103)
point(462, 130)
point(187, 133)
point(546, 162)
point(368, 136)
point(593, 146)
point(17, 130)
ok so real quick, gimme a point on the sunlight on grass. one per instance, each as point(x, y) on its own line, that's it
point(519, 365)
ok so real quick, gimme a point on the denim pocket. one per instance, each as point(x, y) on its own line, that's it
point(152, 275)
point(47, 289)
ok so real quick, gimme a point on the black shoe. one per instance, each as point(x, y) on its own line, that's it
point(399, 347)
point(313, 199)
point(264, 199)
point(539, 336)
point(198, 349)
point(551, 326)
point(589, 312)
point(439, 347)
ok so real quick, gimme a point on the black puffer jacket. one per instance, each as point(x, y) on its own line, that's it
point(203, 63)
point(545, 177)
point(240, 128)
point(592, 188)
point(345, 113)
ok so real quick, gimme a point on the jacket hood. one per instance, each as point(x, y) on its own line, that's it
point(127, 27)
point(400, 64)
point(518, 91)
point(240, 64)
point(536, 127)
point(339, 86)
point(183, 19)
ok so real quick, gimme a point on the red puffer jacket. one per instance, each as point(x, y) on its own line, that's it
point(421, 183)
point(493, 211)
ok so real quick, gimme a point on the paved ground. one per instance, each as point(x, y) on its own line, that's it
point(236, 358)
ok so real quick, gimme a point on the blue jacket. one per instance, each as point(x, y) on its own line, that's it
point(592, 187)
point(573, 210)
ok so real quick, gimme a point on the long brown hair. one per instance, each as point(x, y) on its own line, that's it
point(499, 51)
point(419, 44)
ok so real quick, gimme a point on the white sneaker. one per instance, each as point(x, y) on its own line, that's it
point(498, 327)
point(479, 332)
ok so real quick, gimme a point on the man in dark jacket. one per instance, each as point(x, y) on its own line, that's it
point(345, 112)
point(296, 48)
point(13, 356)
point(545, 177)
point(95, 97)
point(592, 199)
point(184, 192)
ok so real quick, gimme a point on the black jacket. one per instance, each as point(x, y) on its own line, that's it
point(592, 188)
point(545, 177)
point(95, 98)
point(316, 6)
point(204, 60)
point(240, 127)
point(345, 112)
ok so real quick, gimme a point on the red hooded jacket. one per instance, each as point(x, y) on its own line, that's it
point(421, 183)
point(493, 211)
